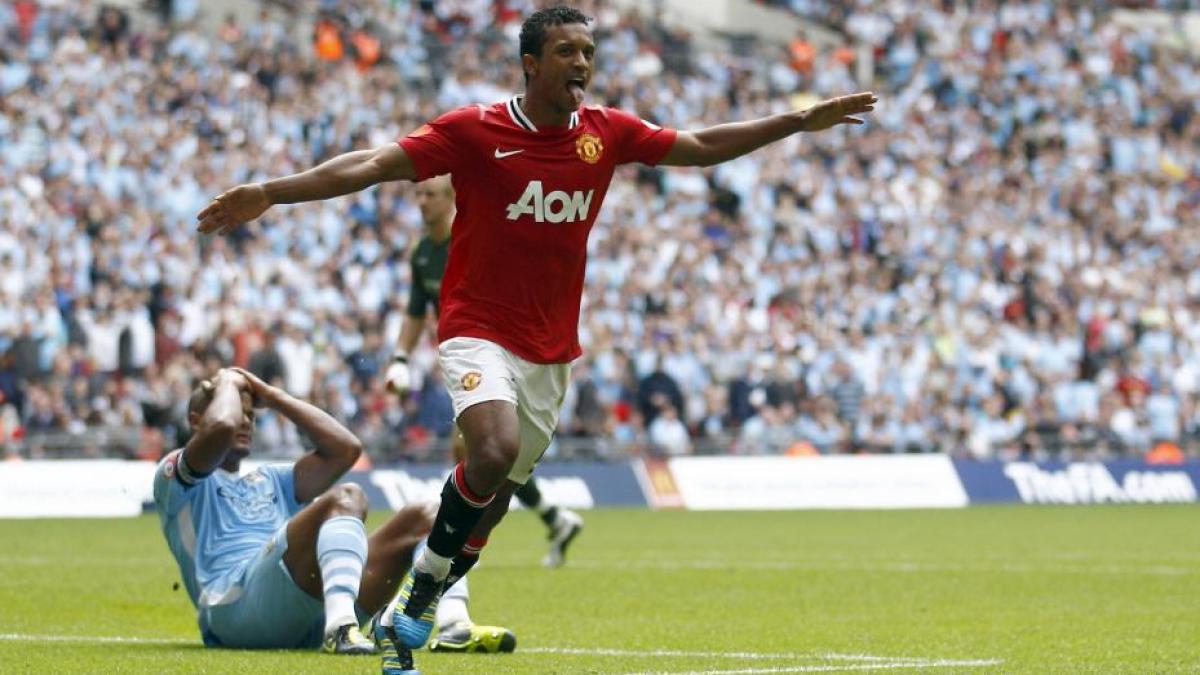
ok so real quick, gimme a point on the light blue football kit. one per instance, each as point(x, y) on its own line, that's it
point(228, 533)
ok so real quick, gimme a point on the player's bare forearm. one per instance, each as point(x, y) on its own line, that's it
point(214, 433)
point(346, 173)
point(410, 333)
point(729, 141)
point(333, 441)
point(342, 175)
point(337, 448)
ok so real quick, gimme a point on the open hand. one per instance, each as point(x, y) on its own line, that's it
point(261, 393)
point(230, 375)
point(232, 208)
point(840, 110)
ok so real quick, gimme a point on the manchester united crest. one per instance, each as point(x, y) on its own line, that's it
point(471, 380)
point(589, 148)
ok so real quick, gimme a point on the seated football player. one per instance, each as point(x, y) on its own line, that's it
point(278, 557)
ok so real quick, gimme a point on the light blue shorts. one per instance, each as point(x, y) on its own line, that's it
point(272, 612)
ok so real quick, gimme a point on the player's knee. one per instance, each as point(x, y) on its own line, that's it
point(347, 499)
point(495, 456)
point(458, 445)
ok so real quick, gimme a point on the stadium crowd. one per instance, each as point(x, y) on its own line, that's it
point(1001, 262)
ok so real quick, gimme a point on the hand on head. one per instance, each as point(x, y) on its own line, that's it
point(258, 390)
point(250, 388)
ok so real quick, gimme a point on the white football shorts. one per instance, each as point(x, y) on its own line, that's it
point(478, 370)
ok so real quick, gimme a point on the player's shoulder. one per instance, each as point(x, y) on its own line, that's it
point(273, 470)
point(592, 110)
point(430, 245)
point(596, 113)
point(168, 466)
point(171, 476)
point(473, 114)
point(423, 244)
point(456, 121)
point(613, 117)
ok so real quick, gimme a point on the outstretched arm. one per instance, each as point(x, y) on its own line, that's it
point(337, 448)
point(728, 141)
point(346, 173)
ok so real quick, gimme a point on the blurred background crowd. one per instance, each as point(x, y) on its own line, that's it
point(1002, 262)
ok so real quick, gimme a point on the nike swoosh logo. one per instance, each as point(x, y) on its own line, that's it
point(502, 155)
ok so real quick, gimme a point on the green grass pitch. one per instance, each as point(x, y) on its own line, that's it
point(981, 590)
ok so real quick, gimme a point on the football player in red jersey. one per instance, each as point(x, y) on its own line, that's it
point(530, 175)
point(435, 197)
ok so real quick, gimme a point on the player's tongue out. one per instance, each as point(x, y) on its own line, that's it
point(575, 89)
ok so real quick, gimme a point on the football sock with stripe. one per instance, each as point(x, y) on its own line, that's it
point(341, 553)
point(458, 514)
point(453, 607)
point(464, 561)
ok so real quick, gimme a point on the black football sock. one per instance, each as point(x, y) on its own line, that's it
point(549, 516)
point(531, 497)
point(465, 560)
point(460, 511)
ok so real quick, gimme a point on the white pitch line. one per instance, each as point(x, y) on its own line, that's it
point(102, 639)
point(875, 662)
point(750, 656)
point(898, 665)
point(834, 656)
point(907, 567)
point(67, 560)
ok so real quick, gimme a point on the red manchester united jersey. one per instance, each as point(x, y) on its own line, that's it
point(526, 199)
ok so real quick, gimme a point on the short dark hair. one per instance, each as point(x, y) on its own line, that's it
point(533, 31)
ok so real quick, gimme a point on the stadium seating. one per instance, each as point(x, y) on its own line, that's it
point(1001, 263)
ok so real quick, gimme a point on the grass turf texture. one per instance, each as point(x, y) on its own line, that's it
point(1033, 589)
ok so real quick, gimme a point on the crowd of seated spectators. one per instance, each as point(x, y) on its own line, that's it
point(1001, 263)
